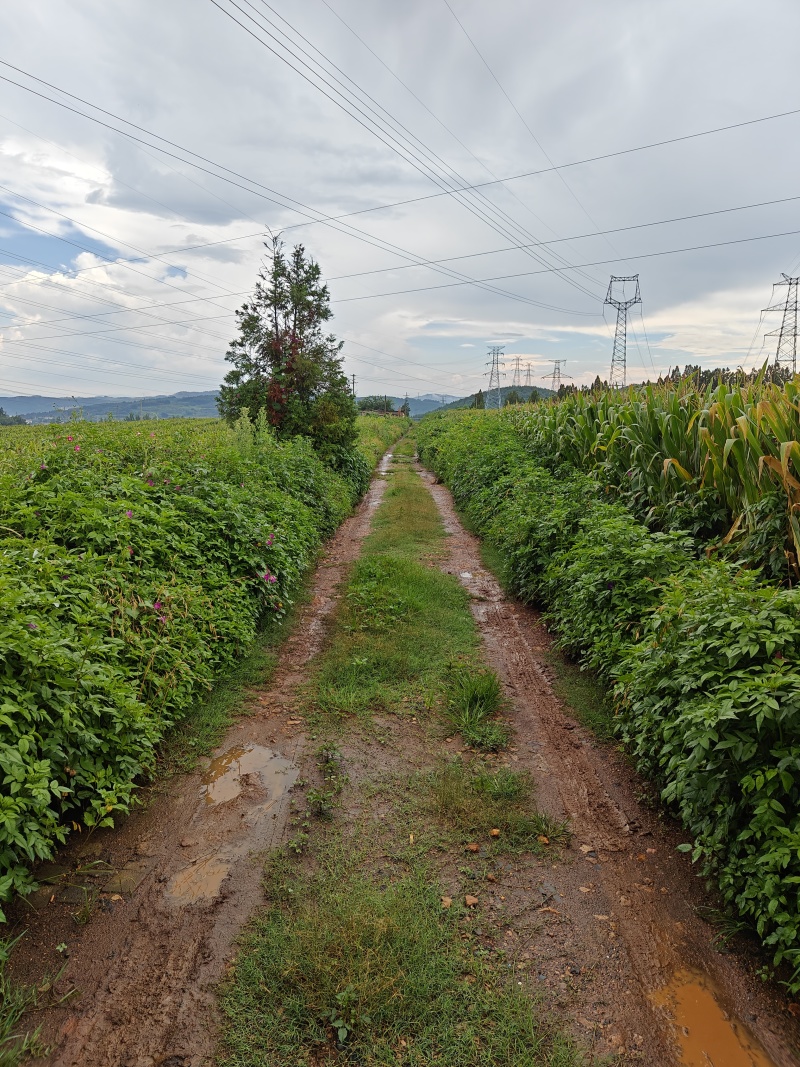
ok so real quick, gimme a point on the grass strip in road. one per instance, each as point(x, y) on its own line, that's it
point(403, 624)
point(341, 969)
point(360, 957)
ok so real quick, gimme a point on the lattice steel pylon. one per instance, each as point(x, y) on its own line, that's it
point(516, 380)
point(786, 352)
point(493, 399)
point(556, 375)
point(528, 382)
point(618, 375)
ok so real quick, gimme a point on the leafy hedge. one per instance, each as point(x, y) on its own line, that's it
point(704, 657)
point(137, 563)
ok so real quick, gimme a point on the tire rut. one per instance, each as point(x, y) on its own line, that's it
point(626, 899)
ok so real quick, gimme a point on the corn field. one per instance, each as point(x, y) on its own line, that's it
point(723, 462)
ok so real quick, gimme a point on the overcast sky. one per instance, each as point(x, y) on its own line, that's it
point(398, 103)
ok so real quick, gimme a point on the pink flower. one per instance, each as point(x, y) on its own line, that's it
point(129, 514)
point(162, 618)
point(43, 466)
point(157, 606)
point(149, 481)
point(77, 448)
point(69, 438)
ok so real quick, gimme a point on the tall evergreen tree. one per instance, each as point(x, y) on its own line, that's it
point(283, 363)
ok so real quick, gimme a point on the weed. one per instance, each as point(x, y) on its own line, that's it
point(475, 800)
point(16, 1043)
point(84, 912)
point(473, 698)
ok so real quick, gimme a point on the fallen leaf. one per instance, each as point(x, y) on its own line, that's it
point(651, 851)
point(794, 1009)
point(116, 896)
point(473, 848)
point(587, 848)
point(494, 833)
point(446, 902)
point(602, 918)
point(551, 911)
point(585, 888)
point(641, 857)
point(490, 878)
point(543, 840)
point(293, 722)
point(470, 901)
point(411, 839)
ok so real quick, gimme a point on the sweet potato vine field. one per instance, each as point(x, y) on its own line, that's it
point(702, 652)
point(137, 563)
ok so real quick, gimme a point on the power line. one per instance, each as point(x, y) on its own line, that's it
point(594, 263)
point(373, 117)
point(269, 195)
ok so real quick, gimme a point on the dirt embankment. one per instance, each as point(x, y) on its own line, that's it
point(621, 942)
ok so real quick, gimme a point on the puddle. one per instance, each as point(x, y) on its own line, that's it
point(223, 779)
point(707, 1036)
point(202, 881)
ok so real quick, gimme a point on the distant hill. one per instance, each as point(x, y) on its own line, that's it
point(418, 405)
point(41, 409)
point(524, 392)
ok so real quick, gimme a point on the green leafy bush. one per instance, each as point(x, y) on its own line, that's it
point(704, 657)
point(136, 566)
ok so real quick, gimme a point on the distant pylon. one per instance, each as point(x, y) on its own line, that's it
point(516, 381)
point(786, 352)
point(528, 382)
point(493, 399)
point(557, 374)
point(618, 373)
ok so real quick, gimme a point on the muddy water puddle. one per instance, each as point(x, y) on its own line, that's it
point(706, 1034)
point(226, 778)
point(223, 780)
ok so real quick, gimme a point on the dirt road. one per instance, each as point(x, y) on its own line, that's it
point(608, 927)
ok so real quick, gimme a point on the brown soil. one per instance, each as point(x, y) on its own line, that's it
point(607, 925)
point(180, 877)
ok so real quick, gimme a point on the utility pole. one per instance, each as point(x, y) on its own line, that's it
point(354, 385)
point(618, 373)
point(528, 382)
point(786, 352)
point(493, 399)
point(516, 380)
point(556, 375)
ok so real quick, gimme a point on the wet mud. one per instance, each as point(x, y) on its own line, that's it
point(179, 879)
point(619, 941)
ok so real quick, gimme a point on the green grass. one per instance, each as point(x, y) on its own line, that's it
point(474, 800)
point(584, 694)
point(402, 623)
point(474, 697)
point(377, 973)
point(17, 1042)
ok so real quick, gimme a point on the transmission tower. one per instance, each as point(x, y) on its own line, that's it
point(528, 382)
point(493, 399)
point(619, 356)
point(556, 375)
point(516, 380)
point(786, 353)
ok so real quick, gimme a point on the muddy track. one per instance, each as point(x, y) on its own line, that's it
point(621, 909)
point(187, 872)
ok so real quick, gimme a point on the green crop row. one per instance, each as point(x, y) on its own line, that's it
point(137, 564)
point(704, 657)
point(722, 463)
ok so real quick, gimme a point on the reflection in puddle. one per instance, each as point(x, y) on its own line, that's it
point(202, 881)
point(706, 1035)
point(223, 779)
